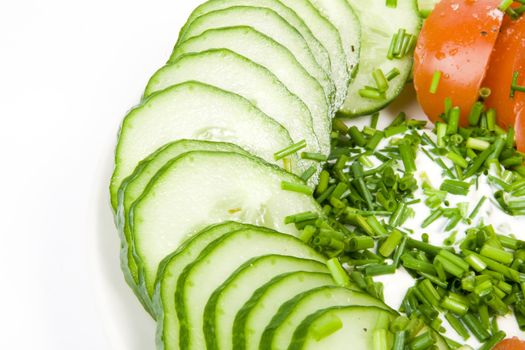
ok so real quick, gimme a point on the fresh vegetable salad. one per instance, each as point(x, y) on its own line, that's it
point(266, 200)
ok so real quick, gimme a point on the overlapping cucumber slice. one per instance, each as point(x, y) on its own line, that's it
point(278, 333)
point(317, 49)
point(379, 24)
point(278, 59)
point(271, 24)
point(227, 299)
point(202, 188)
point(221, 68)
point(194, 110)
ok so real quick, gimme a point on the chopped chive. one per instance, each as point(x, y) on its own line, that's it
point(360, 243)
point(308, 173)
point(318, 157)
point(441, 131)
point(290, 150)
point(371, 93)
point(408, 157)
point(380, 339)
point(435, 82)
point(398, 45)
point(307, 233)
point(339, 274)
point(421, 342)
point(391, 3)
point(456, 187)
point(495, 339)
point(504, 5)
point(457, 325)
point(475, 113)
point(399, 340)
point(475, 326)
point(306, 216)
point(479, 160)
point(497, 254)
point(477, 144)
point(357, 136)
point(379, 269)
point(295, 187)
point(457, 159)
point(380, 80)
point(390, 244)
point(374, 141)
point(324, 178)
point(476, 263)
point(326, 326)
point(394, 130)
point(393, 73)
point(287, 164)
point(391, 48)
point(374, 119)
point(485, 92)
point(340, 125)
point(453, 120)
point(434, 215)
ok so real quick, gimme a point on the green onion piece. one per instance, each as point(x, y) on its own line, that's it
point(391, 48)
point(379, 269)
point(476, 210)
point(475, 113)
point(374, 141)
point(425, 247)
point(390, 244)
point(408, 157)
point(306, 216)
point(477, 144)
point(360, 243)
point(441, 131)
point(485, 92)
point(491, 119)
point(399, 340)
point(371, 93)
point(290, 150)
point(435, 82)
point(495, 339)
point(398, 45)
point(497, 254)
point(380, 340)
point(394, 72)
point(457, 325)
point(391, 3)
point(357, 136)
point(318, 157)
point(376, 226)
point(457, 159)
point(380, 80)
point(434, 215)
point(299, 188)
point(324, 178)
point(399, 129)
point(374, 119)
point(308, 173)
point(450, 267)
point(453, 120)
point(504, 5)
point(456, 187)
point(422, 342)
point(307, 233)
point(496, 304)
point(326, 326)
point(339, 274)
point(475, 326)
point(412, 263)
point(339, 125)
point(476, 263)
point(479, 160)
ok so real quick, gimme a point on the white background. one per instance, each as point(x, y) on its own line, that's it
point(69, 71)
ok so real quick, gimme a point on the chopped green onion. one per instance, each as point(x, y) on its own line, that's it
point(380, 80)
point(390, 244)
point(371, 93)
point(485, 92)
point(504, 5)
point(294, 187)
point(357, 136)
point(326, 326)
point(453, 120)
point(393, 73)
point(360, 243)
point(495, 339)
point(477, 144)
point(497, 254)
point(339, 274)
point(306, 216)
point(308, 173)
point(290, 150)
point(435, 82)
point(457, 325)
point(456, 187)
point(475, 113)
point(408, 157)
point(422, 342)
point(457, 159)
point(391, 3)
point(318, 157)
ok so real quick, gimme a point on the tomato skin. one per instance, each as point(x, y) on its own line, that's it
point(510, 344)
point(456, 39)
point(508, 57)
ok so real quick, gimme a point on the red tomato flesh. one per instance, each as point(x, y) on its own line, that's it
point(457, 39)
point(510, 344)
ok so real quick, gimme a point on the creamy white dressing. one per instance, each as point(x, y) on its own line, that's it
point(397, 284)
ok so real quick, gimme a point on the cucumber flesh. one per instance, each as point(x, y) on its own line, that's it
point(169, 271)
point(194, 111)
point(230, 71)
point(343, 17)
point(379, 23)
point(198, 189)
point(133, 186)
point(225, 255)
point(327, 34)
point(271, 24)
point(226, 300)
point(258, 311)
point(266, 52)
point(317, 49)
point(278, 333)
point(358, 323)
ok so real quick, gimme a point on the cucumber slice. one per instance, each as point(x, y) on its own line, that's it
point(263, 50)
point(327, 34)
point(270, 23)
point(226, 300)
point(318, 50)
point(194, 111)
point(358, 323)
point(201, 188)
point(226, 254)
point(133, 186)
point(230, 71)
point(278, 333)
point(258, 311)
point(343, 17)
point(379, 23)
point(169, 271)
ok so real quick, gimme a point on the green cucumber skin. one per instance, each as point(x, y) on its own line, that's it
point(353, 111)
point(210, 311)
point(287, 308)
point(291, 17)
point(180, 292)
point(301, 332)
point(162, 290)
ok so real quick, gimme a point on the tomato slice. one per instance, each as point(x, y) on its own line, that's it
point(510, 344)
point(457, 40)
point(508, 57)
